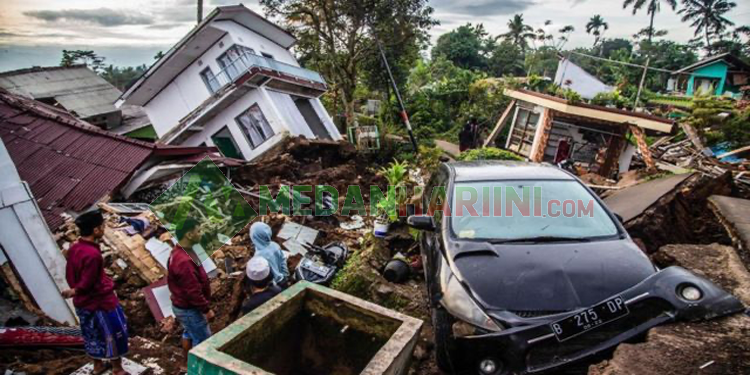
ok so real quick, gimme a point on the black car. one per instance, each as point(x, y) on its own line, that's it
point(529, 293)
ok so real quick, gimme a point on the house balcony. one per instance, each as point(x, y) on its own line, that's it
point(246, 72)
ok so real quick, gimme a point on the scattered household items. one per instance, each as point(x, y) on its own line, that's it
point(314, 330)
point(356, 222)
point(132, 368)
point(158, 299)
point(380, 227)
point(295, 236)
point(320, 264)
point(398, 269)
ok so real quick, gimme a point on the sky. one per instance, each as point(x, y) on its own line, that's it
point(127, 33)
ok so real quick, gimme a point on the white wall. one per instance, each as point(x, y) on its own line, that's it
point(249, 38)
point(28, 244)
point(187, 91)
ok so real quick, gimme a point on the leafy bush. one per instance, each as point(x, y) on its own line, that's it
point(488, 153)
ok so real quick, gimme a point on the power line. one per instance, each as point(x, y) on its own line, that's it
point(626, 63)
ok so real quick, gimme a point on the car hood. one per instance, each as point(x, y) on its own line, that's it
point(549, 277)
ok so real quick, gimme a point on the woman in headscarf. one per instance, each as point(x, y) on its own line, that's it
point(260, 234)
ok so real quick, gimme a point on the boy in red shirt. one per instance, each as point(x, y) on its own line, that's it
point(103, 324)
point(189, 288)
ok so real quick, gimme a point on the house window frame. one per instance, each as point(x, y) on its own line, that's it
point(206, 80)
point(240, 50)
point(258, 127)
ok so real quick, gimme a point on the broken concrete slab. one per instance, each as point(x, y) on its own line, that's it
point(311, 329)
point(679, 215)
point(633, 201)
point(710, 347)
point(734, 215)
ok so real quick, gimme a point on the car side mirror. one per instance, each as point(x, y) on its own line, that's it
point(421, 222)
point(619, 218)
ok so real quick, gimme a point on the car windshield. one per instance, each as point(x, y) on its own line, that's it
point(533, 210)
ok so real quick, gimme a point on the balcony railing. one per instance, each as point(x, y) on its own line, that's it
point(248, 60)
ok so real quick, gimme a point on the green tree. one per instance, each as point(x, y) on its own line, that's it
point(652, 6)
point(466, 46)
point(91, 59)
point(519, 33)
point(337, 36)
point(122, 78)
point(597, 26)
point(707, 16)
point(506, 60)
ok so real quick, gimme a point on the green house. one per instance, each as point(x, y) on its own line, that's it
point(718, 75)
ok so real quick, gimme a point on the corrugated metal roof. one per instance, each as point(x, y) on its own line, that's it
point(76, 88)
point(68, 164)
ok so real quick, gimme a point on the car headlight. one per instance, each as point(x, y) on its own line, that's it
point(458, 302)
point(689, 292)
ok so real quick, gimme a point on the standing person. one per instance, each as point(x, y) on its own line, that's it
point(465, 138)
point(190, 289)
point(261, 286)
point(474, 126)
point(260, 234)
point(103, 324)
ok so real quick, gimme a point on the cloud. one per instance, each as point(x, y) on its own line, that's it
point(483, 7)
point(102, 16)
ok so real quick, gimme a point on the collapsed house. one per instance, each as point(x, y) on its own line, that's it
point(233, 83)
point(80, 91)
point(546, 128)
point(57, 166)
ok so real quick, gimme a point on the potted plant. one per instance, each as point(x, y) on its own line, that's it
point(387, 214)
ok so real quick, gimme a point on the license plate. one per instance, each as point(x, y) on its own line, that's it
point(586, 320)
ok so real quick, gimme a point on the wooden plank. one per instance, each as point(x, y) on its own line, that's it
point(640, 138)
point(734, 152)
point(692, 134)
point(500, 124)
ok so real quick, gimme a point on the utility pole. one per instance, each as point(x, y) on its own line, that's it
point(200, 11)
point(404, 115)
point(640, 86)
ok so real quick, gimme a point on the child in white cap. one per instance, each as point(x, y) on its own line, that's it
point(260, 279)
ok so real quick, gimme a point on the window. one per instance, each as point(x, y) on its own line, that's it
point(225, 143)
point(555, 221)
point(233, 62)
point(210, 80)
point(254, 124)
point(524, 129)
point(267, 55)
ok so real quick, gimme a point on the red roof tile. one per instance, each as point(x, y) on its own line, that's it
point(69, 164)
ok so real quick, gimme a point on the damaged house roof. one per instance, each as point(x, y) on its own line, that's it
point(69, 164)
point(77, 89)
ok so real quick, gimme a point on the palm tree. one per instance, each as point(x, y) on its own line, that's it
point(595, 26)
point(653, 7)
point(519, 32)
point(707, 16)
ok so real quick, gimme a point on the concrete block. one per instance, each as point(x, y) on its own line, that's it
point(311, 329)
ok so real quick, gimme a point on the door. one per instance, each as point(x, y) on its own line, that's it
point(311, 118)
point(225, 142)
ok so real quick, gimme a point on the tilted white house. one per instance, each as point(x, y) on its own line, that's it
point(233, 83)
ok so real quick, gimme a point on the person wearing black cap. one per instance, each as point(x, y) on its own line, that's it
point(103, 324)
point(189, 287)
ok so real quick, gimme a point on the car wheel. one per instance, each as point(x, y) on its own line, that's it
point(444, 345)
